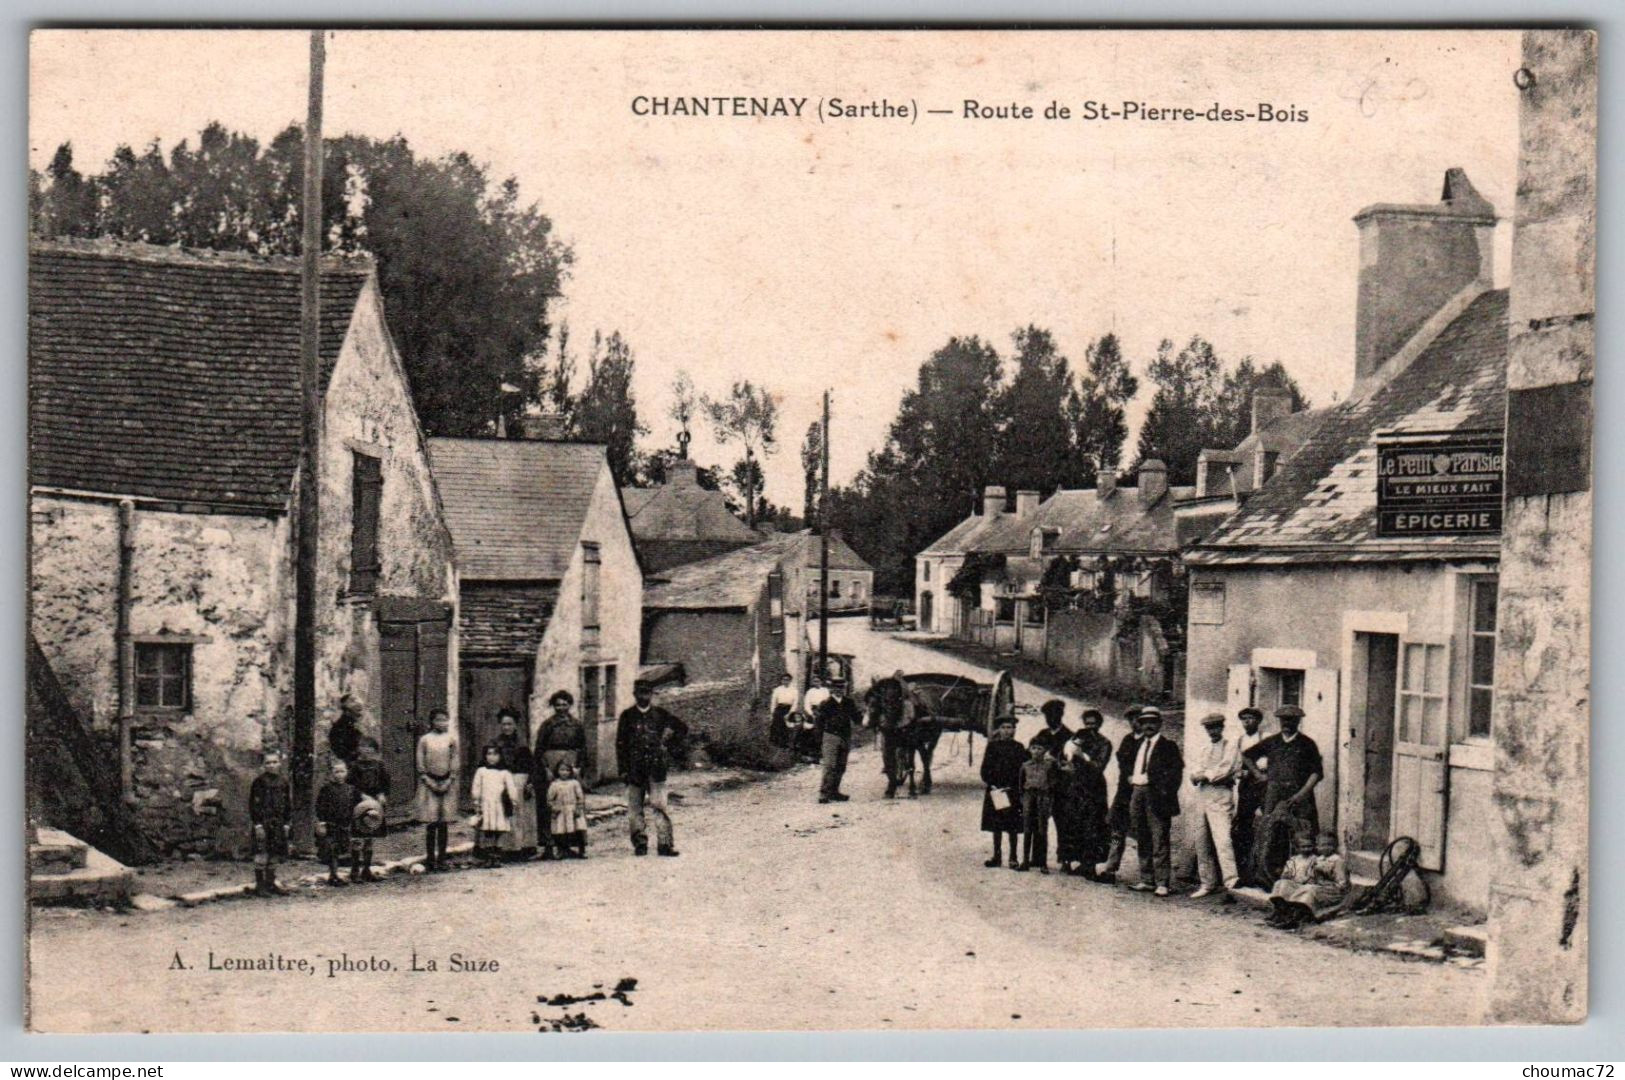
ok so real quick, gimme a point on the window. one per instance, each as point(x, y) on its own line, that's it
point(591, 572)
point(366, 495)
point(592, 683)
point(610, 676)
point(1034, 612)
point(925, 571)
point(1422, 694)
point(857, 589)
point(834, 587)
point(1288, 686)
point(1005, 612)
point(163, 676)
point(1481, 666)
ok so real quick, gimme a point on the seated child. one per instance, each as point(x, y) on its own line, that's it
point(1313, 882)
point(335, 810)
point(568, 804)
point(494, 794)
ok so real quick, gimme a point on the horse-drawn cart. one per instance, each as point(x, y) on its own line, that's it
point(940, 702)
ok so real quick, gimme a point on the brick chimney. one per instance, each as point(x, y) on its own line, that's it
point(683, 473)
point(1270, 403)
point(1414, 259)
point(992, 500)
point(1026, 504)
point(1153, 481)
point(1105, 484)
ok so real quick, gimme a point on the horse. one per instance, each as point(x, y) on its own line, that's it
point(914, 734)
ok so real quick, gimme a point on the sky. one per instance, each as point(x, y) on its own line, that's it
point(806, 253)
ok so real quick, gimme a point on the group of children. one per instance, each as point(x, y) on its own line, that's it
point(350, 807)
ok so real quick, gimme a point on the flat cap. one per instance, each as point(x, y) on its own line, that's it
point(1213, 719)
point(1286, 712)
point(1250, 710)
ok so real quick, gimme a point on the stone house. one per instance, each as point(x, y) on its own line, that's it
point(552, 591)
point(164, 435)
point(681, 522)
point(1378, 614)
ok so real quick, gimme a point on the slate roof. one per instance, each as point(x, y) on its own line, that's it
point(682, 510)
point(1084, 524)
point(172, 375)
point(723, 582)
point(841, 554)
point(515, 507)
point(1321, 503)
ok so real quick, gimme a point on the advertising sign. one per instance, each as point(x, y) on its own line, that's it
point(1440, 485)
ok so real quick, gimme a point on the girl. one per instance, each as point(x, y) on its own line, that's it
point(1001, 773)
point(437, 787)
point(494, 794)
point(1314, 882)
point(569, 806)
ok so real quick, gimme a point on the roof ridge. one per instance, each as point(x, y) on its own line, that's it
point(175, 255)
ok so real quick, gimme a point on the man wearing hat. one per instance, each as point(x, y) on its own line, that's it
point(643, 738)
point(1056, 734)
point(1154, 801)
point(1249, 795)
point(1117, 817)
point(837, 716)
point(1214, 778)
point(1289, 765)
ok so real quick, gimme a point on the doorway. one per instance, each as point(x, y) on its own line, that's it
point(924, 620)
point(486, 690)
point(1380, 673)
point(412, 648)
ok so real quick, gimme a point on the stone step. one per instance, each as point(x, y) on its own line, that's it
point(1365, 864)
point(1467, 940)
point(97, 877)
point(46, 858)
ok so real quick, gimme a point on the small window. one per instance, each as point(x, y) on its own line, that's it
point(925, 571)
point(366, 497)
point(592, 700)
point(1006, 609)
point(857, 589)
point(834, 587)
point(611, 674)
point(1288, 685)
point(163, 676)
point(1034, 612)
point(1481, 672)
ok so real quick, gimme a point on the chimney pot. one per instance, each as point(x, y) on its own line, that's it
point(1026, 504)
point(1153, 481)
point(992, 500)
point(1270, 403)
point(1413, 259)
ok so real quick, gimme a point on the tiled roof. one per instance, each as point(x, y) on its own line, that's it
point(733, 580)
point(841, 555)
point(515, 507)
point(1283, 435)
point(169, 374)
point(1322, 501)
point(505, 619)
point(1084, 524)
point(962, 538)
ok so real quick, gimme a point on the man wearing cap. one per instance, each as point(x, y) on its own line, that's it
point(1056, 734)
point(1154, 801)
point(837, 716)
point(1249, 795)
point(1289, 765)
point(1214, 778)
point(1118, 815)
point(642, 747)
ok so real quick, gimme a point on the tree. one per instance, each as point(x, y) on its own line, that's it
point(466, 269)
point(553, 384)
point(748, 416)
point(1035, 439)
point(1095, 410)
point(607, 410)
point(1179, 423)
point(812, 463)
point(1232, 418)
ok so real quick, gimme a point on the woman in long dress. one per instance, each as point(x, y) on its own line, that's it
point(1082, 835)
point(520, 840)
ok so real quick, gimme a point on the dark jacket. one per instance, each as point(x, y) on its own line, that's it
point(1166, 770)
point(838, 717)
point(335, 804)
point(268, 801)
point(1097, 748)
point(1053, 741)
point(344, 738)
point(642, 743)
point(562, 733)
point(1001, 768)
point(516, 756)
point(1126, 750)
point(370, 778)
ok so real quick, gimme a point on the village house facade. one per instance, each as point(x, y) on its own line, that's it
point(165, 413)
point(1379, 617)
point(551, 586)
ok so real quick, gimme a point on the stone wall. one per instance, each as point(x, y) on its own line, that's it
point(1540, 892)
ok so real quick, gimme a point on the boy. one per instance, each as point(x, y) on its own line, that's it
point(437, 788)
point(268, 811)
point(1037, 784)
point(335, 809)
point(371, 782)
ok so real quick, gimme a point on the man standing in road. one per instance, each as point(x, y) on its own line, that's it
point(812, 707)
point(1118, 817)
point(838, 717)
point(1154, 801)
point(642, 747)
point(1056, 734)
point(1249, 796)
point(1214, 778)
point(889, 701)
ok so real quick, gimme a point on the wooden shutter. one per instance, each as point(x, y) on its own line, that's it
point(366, 494)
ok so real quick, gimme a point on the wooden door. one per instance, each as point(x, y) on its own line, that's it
point(398, 661)
point(1377, 725)
point(1421, 740)
point(486, 690)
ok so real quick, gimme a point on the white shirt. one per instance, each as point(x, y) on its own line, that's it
point(815, 697)
point(783, 695)
point(1142, 763)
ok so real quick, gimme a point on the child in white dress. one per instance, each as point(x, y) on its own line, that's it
point(568, 803)
point(495, 795)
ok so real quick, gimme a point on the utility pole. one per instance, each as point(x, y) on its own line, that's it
point(823, 549)
point(309, 524)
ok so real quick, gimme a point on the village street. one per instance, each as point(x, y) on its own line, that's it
point(780, 913)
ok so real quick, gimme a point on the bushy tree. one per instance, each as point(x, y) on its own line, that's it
point(1233, 405)
point(749, 416)
point(1178, 425)
point(1035, 451)
point(606, 411)
point(1095, 410)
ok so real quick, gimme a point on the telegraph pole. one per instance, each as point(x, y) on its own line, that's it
point(309, 523)
point(823, 549)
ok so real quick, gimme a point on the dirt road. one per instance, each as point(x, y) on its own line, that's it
point(780, 913)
